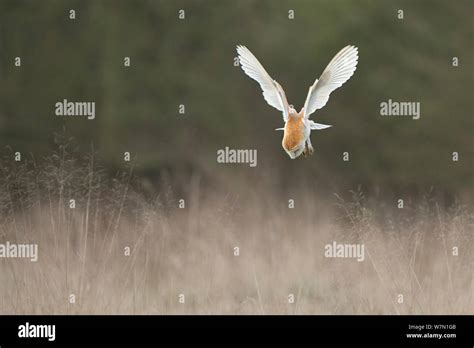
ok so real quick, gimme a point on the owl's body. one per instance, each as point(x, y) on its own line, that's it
point(296, 135)
point(298, 126)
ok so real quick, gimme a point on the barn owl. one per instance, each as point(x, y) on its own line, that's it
point(298, 126)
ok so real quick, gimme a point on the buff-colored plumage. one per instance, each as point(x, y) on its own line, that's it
point(294, 132)
point(298, 126)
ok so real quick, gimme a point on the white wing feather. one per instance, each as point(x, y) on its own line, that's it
point(272, 91)
point(338, 71)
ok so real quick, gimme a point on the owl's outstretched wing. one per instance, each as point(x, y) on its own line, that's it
point(272, 91)
point(338, 71)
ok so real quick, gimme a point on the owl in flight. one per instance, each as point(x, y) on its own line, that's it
point(298, 126)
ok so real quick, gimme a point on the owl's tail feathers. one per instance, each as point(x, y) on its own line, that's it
point(318, 126)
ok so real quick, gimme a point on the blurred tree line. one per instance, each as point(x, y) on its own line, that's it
point(190, 62)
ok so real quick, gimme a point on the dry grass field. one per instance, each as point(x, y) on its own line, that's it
point(191, 251)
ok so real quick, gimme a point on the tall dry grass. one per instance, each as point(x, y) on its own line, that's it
point(190, 251)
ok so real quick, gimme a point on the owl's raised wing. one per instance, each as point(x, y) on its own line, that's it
point(338, 71)
point(272, 91)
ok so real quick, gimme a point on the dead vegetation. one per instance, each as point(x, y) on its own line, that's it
point(191, 251)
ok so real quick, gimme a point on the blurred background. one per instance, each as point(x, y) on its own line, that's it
point(191, 62)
